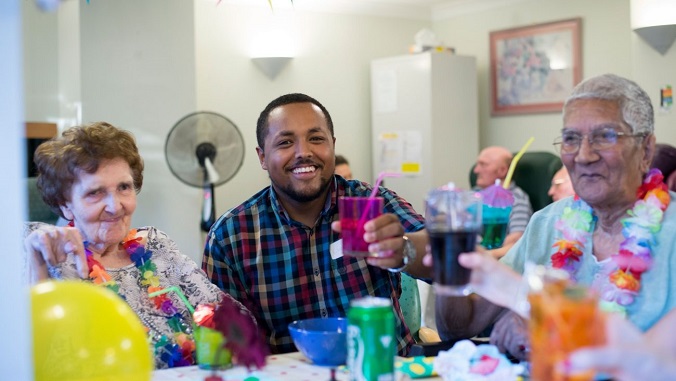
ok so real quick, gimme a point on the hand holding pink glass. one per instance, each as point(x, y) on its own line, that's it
point(354, 213)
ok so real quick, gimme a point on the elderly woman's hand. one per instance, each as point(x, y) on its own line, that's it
point(629, 355)
point(624, 363)
point(52, 245)
point(493, 280)
point(510, 334)
point(500, 285)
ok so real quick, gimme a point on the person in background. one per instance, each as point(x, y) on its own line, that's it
point(561, 187)
point(90, 176)
point(278, 252)
point(491, 165)
point(343, 167)
point(617, 237)
point(665, 161)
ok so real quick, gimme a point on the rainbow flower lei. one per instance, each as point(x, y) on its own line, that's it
point(175, 353)
point(640, 228)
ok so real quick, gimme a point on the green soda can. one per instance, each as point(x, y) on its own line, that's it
point(371, 345)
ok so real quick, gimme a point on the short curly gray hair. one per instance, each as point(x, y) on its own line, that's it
point(637, 109)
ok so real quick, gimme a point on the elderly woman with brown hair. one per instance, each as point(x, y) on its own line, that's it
point(618, 237)
point(91, 176)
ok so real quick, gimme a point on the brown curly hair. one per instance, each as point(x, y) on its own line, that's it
point(61, 160)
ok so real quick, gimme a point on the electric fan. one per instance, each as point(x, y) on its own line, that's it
point(205, 150)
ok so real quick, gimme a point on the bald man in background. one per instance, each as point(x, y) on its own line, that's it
point(493, 164)
point(561, 187)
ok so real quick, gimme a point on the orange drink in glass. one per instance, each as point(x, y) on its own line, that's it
point(564, 317)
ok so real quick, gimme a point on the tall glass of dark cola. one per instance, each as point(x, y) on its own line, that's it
point(453, 222)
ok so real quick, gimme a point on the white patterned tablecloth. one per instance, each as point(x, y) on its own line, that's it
point(286, 367)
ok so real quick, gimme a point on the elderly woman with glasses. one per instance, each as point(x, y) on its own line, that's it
point(617, 237)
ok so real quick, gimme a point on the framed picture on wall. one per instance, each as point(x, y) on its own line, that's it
point(534, 68)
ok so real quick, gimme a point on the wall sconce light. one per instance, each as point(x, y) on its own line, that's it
point(273, 44)
point(271, 66)
point(655, 22)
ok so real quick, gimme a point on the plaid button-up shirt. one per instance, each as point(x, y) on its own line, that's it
point(282, 270)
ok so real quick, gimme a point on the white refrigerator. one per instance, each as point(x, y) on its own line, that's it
point(425, 121)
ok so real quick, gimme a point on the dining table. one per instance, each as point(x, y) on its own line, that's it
point(283, 367)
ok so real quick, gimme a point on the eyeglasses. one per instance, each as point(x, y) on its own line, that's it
point(599, 140)
point(557, 182)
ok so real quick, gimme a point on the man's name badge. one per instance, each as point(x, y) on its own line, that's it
point(336, 249)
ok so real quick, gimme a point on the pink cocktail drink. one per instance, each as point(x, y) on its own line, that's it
point(354, 213)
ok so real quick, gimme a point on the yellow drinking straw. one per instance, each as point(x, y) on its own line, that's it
point(512, 165)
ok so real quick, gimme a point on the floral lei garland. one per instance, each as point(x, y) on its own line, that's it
point(177, 353)
point(640, 228)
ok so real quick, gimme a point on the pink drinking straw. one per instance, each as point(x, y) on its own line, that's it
point(372, 196)
point(379, 180)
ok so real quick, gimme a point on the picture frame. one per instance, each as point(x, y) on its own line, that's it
point(534, 68)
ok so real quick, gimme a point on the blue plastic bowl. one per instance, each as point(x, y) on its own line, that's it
point(322, 340)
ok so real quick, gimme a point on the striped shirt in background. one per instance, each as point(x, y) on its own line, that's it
point(283, 271)
point(521, 210)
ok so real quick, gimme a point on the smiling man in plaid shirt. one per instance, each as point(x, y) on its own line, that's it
point(274, 252)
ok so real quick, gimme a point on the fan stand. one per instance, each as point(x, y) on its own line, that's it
point(204, 151)
point(208, 207)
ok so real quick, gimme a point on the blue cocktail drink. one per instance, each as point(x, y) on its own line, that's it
point(495, 223)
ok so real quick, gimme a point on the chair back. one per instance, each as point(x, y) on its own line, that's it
point(533, 173)
point(410, 304)
point(38, 211)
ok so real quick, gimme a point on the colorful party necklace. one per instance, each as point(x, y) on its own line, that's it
point(176, 353)
point(640, 229)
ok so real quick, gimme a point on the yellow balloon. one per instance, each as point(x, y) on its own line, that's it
point(86, 332)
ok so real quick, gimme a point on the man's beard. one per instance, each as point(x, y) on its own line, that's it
point(302, 197)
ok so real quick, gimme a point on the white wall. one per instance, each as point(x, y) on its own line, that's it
point(605, 48)
point(608, 45)
point(138, 73)
point(654, 71)
point(332, 64)
point(15, 353)
point(40, 63)
point(145, 65)
point(69, 59)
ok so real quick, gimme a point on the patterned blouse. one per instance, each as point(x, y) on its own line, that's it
point(173, 269)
